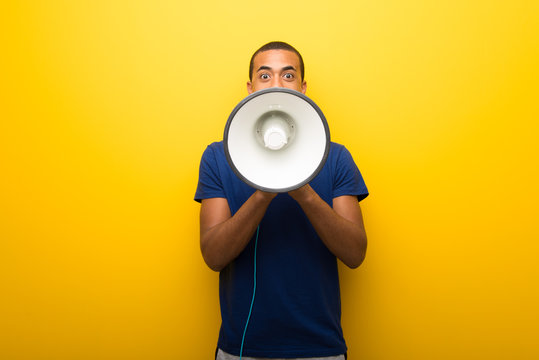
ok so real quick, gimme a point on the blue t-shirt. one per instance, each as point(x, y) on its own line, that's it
point(297, 310)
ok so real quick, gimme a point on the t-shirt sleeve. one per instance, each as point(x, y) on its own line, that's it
point(348, 179)
point(209, 180)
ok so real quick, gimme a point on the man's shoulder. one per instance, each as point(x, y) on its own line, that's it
point(336, 149)
point(216, 145)
point(215, 149)
point(340, 156)
point(336, 146)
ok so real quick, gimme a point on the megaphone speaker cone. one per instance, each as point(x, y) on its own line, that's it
point(276, 140)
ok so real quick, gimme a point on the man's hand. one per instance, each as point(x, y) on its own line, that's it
point(267, 195)
point(303, 194)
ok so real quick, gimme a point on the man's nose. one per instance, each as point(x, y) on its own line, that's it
point(277, 82)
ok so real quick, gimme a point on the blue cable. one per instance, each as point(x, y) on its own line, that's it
point(254, 293)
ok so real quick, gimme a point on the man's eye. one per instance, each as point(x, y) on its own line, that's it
point(288, 76)
point(264, 76)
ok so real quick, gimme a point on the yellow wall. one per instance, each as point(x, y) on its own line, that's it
point(106, 107)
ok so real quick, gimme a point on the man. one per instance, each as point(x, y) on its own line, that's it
point(296, 313)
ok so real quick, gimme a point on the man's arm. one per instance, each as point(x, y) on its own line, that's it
point(222, 236)
point(341, 228)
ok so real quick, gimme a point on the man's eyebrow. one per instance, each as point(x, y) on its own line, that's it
point(289, 67)
point(265, 67)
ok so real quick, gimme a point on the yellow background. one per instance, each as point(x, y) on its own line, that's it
point(107, 106)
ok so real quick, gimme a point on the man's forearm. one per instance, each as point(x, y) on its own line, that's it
point(221, 243)
point(345, 238)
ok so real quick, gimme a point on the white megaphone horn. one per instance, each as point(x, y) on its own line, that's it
point(276, 140)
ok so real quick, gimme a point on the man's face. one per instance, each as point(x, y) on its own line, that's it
point(276, 68)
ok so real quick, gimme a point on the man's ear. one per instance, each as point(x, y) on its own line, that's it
point(304, 87)
point(249, 87)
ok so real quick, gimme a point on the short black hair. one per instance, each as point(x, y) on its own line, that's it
point(277, 45)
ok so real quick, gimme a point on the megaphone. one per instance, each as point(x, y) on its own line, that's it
point(276, 140)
